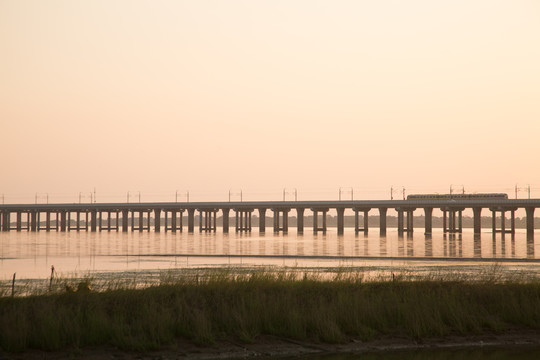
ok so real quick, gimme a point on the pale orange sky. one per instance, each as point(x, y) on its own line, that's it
point(208, 96)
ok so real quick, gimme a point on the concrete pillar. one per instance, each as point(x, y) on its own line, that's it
point(493, 221)
point(93, 220)
point(340, 221)
point(78, 220)
point(262, 220)
point(19, 221)
point(6, 226)
point(399, 221)
point(503, 221)
point(382, 220)
point(157, 220)
point(356, 230)
point(460, 222)
point(300, 220)
point(285, 221)
point(513, 221)
point(63, 220)
point(225, 212)
point(410, 221)
point(276, 220)
point(33, 221)
point(428, 227)
point(315, 221)
point(173, 221)
point(366, 221)
point(48, 221)
point(191, 220)
point(530, 222)
point(285, 227)
point(125, 220)
point(477, 212)
point(445, 229)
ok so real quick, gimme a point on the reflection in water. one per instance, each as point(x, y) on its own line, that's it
point(34, 253)
point(482, 353)
point(428, 246)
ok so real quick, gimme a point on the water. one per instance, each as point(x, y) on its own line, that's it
point(31, 254)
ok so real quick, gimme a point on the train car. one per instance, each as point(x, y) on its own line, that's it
point(486, 196)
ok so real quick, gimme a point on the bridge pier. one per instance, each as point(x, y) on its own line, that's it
point(357, 227)
point(428, 223)
point(316, 227)
point(157, 220)
point(140, 226)
point(409, 224)
point(477, 219)
point(191, 220)
point(449, 220)
point(18, 221)
point(300, 220)
point(382, 220)
point(176, 222)
point(502, 228)
point(530, 222)
point(262, 220)
point(125, 220)
point(207, 220)
point(340, 220)
point(62, 220)
point(225, 212)
point(243, 220)
point(278, 225)
point(33, 221)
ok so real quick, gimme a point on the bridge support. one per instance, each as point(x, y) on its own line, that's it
point(502, 228)
point(243, 220)
point(176, 222)
point(207, 220)
point(449, 220)
point(357, 227)
point(225, 220)
point(300, 220)
point(284, 224)
point(140, 226)
point(316, 227)
point(477, 219)
point(530, 222)
point(191, 220)
point(262, 220)
point(125, 220)
point(157, 220)
point(409, 225)
point(382, 220)
point(340, 220)
point(428, 223)
point(62, 220)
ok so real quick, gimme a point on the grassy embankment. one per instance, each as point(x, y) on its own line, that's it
point(236, 306)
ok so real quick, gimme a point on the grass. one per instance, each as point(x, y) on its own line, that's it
point(207, 306)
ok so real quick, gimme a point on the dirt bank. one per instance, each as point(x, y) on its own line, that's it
point(267, 346)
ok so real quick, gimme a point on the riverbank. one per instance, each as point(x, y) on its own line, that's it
point(278, 309)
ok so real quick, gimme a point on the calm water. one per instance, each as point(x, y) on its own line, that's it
point(31, 255)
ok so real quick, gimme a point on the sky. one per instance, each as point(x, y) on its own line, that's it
point(211, 98)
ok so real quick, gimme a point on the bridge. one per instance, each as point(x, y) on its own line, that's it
point(171, 216)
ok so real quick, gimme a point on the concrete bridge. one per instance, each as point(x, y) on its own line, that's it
point(171, 216)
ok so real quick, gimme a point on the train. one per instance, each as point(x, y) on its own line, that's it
point(487, 196)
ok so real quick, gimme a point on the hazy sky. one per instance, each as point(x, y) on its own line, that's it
point(209, 96)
